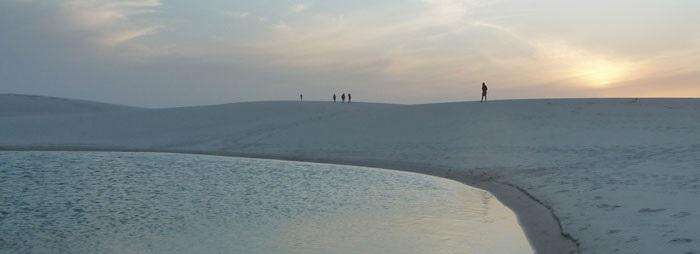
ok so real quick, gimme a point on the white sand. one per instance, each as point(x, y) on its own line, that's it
point(621, 176)
point(24, 105)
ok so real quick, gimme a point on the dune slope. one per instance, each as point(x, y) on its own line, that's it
point(32, 105)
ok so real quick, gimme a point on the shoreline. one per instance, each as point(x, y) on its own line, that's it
point(541, 227)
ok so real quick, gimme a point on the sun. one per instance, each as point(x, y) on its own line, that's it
point(602, 73)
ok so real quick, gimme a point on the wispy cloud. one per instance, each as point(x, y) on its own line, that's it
point(237, 14)
point(110, 22)
point(119, 37)
point(412, 47)
point(298, 8)
point(445, 44)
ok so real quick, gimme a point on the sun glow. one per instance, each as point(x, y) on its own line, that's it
point(602, 73)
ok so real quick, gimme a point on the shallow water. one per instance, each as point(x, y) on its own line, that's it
point(95, 202)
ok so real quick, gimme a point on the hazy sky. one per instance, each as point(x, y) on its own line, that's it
point(184, 52)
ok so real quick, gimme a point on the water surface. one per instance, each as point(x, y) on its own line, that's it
point(97, 202)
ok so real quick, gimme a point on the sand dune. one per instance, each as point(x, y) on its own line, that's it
point(622, 176)
point(33, 105)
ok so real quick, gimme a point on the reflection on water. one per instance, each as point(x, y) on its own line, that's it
point(81, 202)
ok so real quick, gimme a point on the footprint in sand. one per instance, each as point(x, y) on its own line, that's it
point(633, 239)
point(680, 215)
point(680, 240)
point(608, 207)
point(650, 210)
point(614, 231)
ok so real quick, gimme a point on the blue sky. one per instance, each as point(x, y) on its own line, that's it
point(167, 53)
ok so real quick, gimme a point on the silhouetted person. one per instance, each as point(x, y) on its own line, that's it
point(349, 98)
point(342, 97)
point(333, 98)
point(301, 97)
point(484, 90)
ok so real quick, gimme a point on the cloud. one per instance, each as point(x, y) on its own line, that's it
point(237, 14)
point(119, 37)
point(432, 46)
point(446, 44)
point(447, 11)
point(296, 8)
point(99, 14)
point(110, 22)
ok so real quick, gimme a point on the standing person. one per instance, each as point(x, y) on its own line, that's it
point(342, 97)
point(333, 98)
point(484, 90)
point(301, 97)
point(349, 97)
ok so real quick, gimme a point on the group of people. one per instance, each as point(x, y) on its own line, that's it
point(335, 98)
point(342, 97)
point(484, 91)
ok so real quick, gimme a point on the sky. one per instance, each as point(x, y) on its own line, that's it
point(161, 53)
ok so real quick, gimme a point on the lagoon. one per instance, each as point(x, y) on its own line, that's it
point(109, 202)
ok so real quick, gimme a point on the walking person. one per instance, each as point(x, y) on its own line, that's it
point(484, 90)
point(301, 97)
point(333, 98)
point(349, 97)
point(342, 97)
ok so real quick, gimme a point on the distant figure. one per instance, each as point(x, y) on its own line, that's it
point(333, 98)
point(342, 97)
point(301, 97)
point(349, 98)
point(484, 90)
